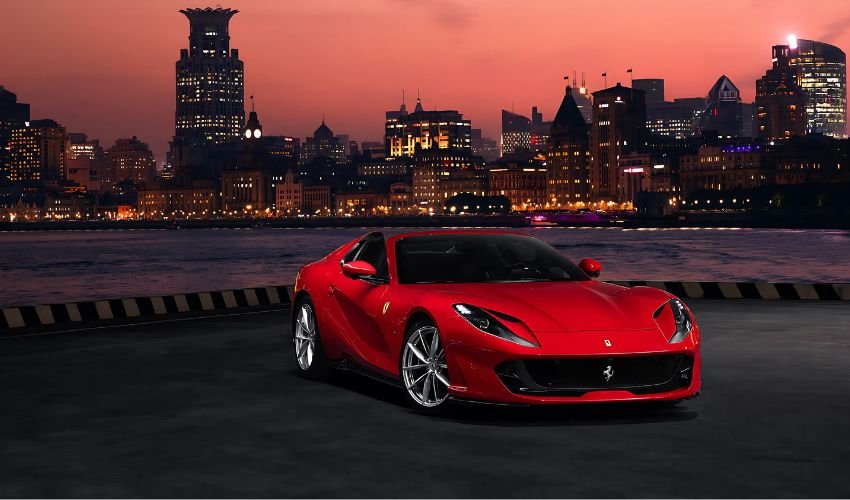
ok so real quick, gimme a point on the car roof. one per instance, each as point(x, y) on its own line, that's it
point(395, 237)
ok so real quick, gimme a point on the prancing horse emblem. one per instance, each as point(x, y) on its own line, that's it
point(607, 343)
point(608, 372)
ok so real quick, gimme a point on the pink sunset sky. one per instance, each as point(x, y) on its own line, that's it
point(106, 67)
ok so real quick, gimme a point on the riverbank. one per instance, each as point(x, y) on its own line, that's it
point(776, 219)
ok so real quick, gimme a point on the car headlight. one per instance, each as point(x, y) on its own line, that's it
point(484, 321)
point(683, 319)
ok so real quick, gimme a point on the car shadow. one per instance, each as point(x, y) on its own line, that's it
point(484, 414)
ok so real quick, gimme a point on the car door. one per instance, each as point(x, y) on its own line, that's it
point(361, 303)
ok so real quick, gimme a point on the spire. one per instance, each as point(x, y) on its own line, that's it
point(418, 103)
point(568, 116)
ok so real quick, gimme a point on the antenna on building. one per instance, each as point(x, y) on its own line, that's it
point(252, 103)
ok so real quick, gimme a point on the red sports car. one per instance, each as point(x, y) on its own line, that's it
point(490, 316)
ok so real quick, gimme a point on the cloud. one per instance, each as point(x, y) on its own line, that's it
point(835, 30)
point(451, 14)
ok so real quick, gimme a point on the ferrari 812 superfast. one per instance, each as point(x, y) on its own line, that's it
point(490, 316)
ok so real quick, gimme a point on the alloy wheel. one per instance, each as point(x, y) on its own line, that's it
point(424, 370)
point(305, 337)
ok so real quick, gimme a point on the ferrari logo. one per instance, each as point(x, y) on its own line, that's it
point(608, 372)
point(386, 306)
point(607, 343)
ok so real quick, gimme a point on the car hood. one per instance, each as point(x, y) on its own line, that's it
point(564, 306)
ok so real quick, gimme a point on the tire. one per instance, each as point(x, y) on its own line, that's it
point(310, 359)
point(422, 368)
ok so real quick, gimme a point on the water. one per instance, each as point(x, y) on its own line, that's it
point(59, 266)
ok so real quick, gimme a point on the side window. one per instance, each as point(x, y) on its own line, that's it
point(374, 251)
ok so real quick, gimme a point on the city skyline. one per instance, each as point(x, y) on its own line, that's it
point(124, 86)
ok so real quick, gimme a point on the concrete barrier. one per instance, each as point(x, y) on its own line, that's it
point(15, 319)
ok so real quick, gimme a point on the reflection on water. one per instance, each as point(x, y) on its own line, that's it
point(59, 266)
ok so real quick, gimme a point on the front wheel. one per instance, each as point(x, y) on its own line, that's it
point(423, 368)
point(309, 352)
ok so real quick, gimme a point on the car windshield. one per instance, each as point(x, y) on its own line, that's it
point(481, 258)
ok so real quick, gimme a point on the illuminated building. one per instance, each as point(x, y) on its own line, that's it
point(723, 113)
point(406, 133)
point(822, 74)
point(323, 144)
point(619, 127)
point(436, 173)
point(288, 194)
point(539, 132)
point(284, 147)
point(568, 158)
point(196, 201)
point(362, 203)
point(37, 152)
point(781, 104)
point(210, 87)
point(524, 185)
point(516, 132)
point(678, 119)
point(130, 160)
point(316, 199)
point(384, 167)
point(85, 162)
point(724, 168)
point(13, 115)
point(484, 147)
point(653, 89)
point(583, 102)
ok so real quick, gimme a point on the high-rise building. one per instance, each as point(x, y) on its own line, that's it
point(723, 113)
point(406, 133)
point(13, 115)
point(780, 102)
point(323, 144)
point(653, 89)
point(539, 132)
point(619, 126)
point(85, 162)
point(210, 81)
point(678, 119)
point(37, 152)
point(567, 160)
point(130, 160)
point(516, 132)
point(822, 74)
point(484, 147)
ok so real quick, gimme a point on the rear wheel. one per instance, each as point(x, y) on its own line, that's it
point(423, 368)
point(309, 352)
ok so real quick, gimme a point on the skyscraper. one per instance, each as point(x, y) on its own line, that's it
point(210, 81)
point(780, 103)
point(13, 115)
point(516, 132)
point(38, 152)
point(405, 133)
point(822, 74)
point(723, 113)
point(567, 161)
point(130, 160)
point(619, 126)
point(323, 144)
point(653, 88)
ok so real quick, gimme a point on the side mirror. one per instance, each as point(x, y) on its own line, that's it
point(590, 267)
point(358, 269)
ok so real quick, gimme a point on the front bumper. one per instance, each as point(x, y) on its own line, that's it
point(571, 367)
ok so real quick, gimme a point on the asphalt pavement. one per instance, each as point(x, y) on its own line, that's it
point(212, 407)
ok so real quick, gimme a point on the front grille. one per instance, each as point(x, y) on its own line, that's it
point(577, 376)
